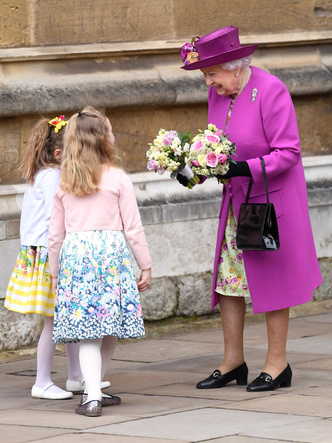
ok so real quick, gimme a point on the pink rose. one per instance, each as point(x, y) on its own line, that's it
point(198, 144)
point(151, 165)
point(169, 137)
point(196, 162)
point(212, 138)
point(222, 158)
point(219, 132)
point(160, 170)
point(167, 140)
point(211, 159)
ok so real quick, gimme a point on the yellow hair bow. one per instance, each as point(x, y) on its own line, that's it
point(58, 122)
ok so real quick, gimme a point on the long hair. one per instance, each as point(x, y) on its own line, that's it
point(87, 146)
point(39, 153)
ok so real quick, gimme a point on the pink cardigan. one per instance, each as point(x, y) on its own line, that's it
point(113, 208)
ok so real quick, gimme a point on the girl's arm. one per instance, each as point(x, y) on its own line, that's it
point(57, 232)
point(145, 280)
point(132, 224)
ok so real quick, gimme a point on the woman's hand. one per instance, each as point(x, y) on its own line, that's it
point(145, 280)
point(183, 180)
point(238, 169)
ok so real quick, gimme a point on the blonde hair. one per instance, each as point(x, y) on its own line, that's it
point(39, 153)
point(87, 146)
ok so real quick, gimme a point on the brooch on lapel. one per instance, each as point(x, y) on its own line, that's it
point(254, 93)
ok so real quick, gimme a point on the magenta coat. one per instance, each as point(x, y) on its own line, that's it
point(264, 125)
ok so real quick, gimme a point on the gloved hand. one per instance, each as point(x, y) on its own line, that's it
point(182, 179)
point(238, 169)
point(184, 175)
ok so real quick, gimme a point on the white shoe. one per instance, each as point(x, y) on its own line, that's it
point(79, 386)
point(45, 394)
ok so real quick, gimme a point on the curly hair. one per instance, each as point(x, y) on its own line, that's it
point(39, 153)
point(240, 63)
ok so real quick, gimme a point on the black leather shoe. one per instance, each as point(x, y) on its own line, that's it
point(264, 381)
point(218, 380)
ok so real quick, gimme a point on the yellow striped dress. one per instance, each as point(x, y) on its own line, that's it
point(30, 287)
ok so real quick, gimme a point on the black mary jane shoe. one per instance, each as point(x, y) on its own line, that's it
point(219, 380)
point(264, 381)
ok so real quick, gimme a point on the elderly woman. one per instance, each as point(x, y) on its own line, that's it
point(256, 110)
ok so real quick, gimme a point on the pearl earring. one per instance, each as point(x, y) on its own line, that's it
point(236, 74)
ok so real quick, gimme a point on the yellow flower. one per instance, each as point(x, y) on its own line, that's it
point(113, 271)
point(201, 159)
point(77, 313)
point(212, 127)
point(231, 270)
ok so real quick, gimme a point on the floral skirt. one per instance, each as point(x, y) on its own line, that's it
point(97, 293)
point(30, 287)
point(231, 278)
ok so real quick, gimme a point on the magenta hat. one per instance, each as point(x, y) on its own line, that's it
point(218, 47)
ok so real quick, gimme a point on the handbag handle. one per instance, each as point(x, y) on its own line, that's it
point(265, 183)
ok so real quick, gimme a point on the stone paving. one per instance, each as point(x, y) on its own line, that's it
point(156, 380)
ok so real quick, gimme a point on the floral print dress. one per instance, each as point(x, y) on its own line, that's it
point(231, 278)
point(97, 293)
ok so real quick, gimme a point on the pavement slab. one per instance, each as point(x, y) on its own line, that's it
point(200, 424)
point(156, 379)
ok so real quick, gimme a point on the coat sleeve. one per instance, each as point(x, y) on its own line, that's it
point(132, 223)
point(57, 233)
point(281, 131)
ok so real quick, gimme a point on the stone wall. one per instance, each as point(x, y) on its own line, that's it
point(29, 23)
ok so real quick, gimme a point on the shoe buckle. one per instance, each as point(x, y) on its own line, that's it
point(268, 378)
point(215, 374)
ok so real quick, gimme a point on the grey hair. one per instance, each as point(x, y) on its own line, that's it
point(234, 64)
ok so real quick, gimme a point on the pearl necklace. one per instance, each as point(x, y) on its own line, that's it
point(243, 84)
point(245, 80)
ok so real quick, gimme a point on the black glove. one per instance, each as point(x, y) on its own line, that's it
point(182, 179)
point(238, 169)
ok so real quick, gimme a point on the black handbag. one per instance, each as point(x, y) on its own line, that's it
point(257, 228)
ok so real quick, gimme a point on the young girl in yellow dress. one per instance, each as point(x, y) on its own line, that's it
point(30, 287)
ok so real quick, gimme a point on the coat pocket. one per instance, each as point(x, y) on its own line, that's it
point(258, 193)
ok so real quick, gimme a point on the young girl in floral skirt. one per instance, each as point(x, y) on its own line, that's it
point(97, 294)
point(30, 287)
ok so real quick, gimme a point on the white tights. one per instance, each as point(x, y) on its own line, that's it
point(45, 354)
point(95, 355)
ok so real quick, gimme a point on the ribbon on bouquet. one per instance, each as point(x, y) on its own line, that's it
point(192, 178)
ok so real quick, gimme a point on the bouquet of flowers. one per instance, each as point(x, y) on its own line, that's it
point(168, 152)
point(210, 152)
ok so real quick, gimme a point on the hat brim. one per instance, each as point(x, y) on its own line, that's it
point(225, 57)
